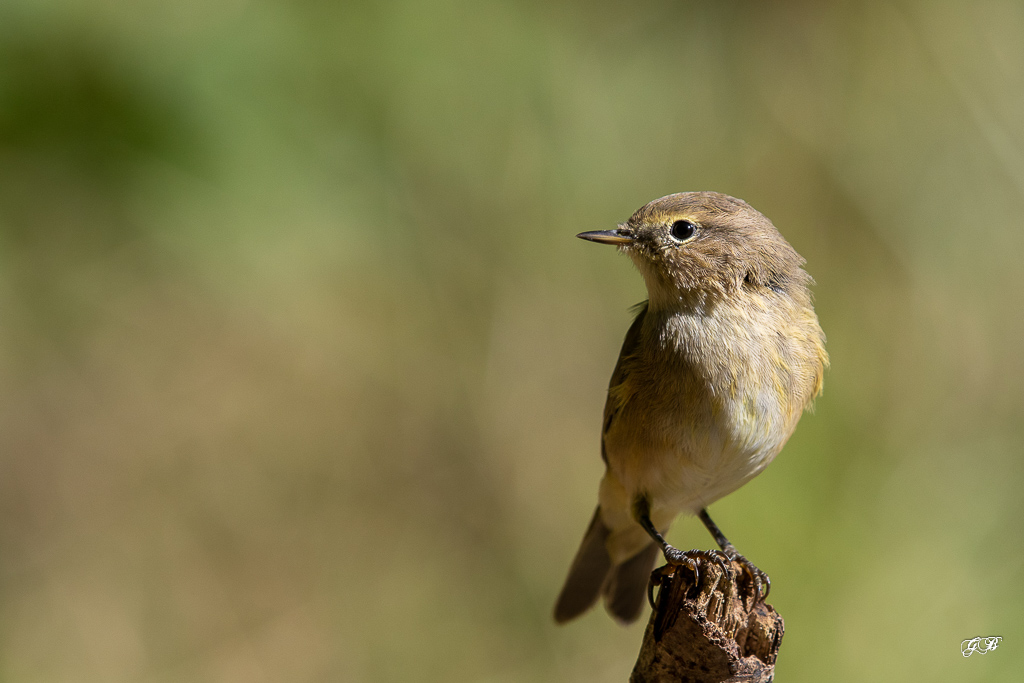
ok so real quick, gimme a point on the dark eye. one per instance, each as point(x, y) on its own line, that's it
point(683, 230)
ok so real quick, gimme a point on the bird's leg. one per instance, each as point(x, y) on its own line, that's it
point(691, 559)
point(762, 584)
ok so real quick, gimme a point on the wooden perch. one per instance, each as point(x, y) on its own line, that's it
point(709, 633)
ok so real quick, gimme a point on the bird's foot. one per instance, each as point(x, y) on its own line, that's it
point(695, 558)
point(762, 584)
point(692, 560)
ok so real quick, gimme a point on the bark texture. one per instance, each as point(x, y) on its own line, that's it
point(710, 632)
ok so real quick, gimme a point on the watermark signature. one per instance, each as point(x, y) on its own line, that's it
point(979, 645)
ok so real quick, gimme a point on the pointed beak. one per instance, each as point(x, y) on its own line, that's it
point(618, 236)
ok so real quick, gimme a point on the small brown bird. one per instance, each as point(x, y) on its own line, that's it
point(715, 371)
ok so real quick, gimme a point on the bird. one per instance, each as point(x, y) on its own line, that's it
point(718, 366)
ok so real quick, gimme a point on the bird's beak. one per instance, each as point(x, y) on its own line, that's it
point(619, 236)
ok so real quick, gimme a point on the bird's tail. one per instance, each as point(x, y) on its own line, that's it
point(592, 574)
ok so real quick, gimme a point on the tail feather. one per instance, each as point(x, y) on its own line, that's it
point(592, 575)
point(587, 574)
point(626, 587)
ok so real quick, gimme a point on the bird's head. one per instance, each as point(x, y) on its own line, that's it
point(706, 243)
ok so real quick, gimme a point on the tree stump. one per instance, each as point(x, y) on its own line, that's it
point(710, 632)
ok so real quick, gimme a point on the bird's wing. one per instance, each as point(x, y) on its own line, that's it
point(619, 390)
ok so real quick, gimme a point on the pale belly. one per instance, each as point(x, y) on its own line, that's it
point(680, 462)
point(703, 406)
point(682, 448)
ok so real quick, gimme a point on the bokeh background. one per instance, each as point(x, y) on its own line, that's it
point(302, 367)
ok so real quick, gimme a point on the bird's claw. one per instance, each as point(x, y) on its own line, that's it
point(762, 584)
point(658, 577)
point(692, 560)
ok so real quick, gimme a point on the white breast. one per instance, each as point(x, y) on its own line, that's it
point(701, 419)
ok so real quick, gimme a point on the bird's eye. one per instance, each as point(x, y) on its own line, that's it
point(683, 230)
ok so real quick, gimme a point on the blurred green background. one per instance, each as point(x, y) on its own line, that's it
point(302, 366)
